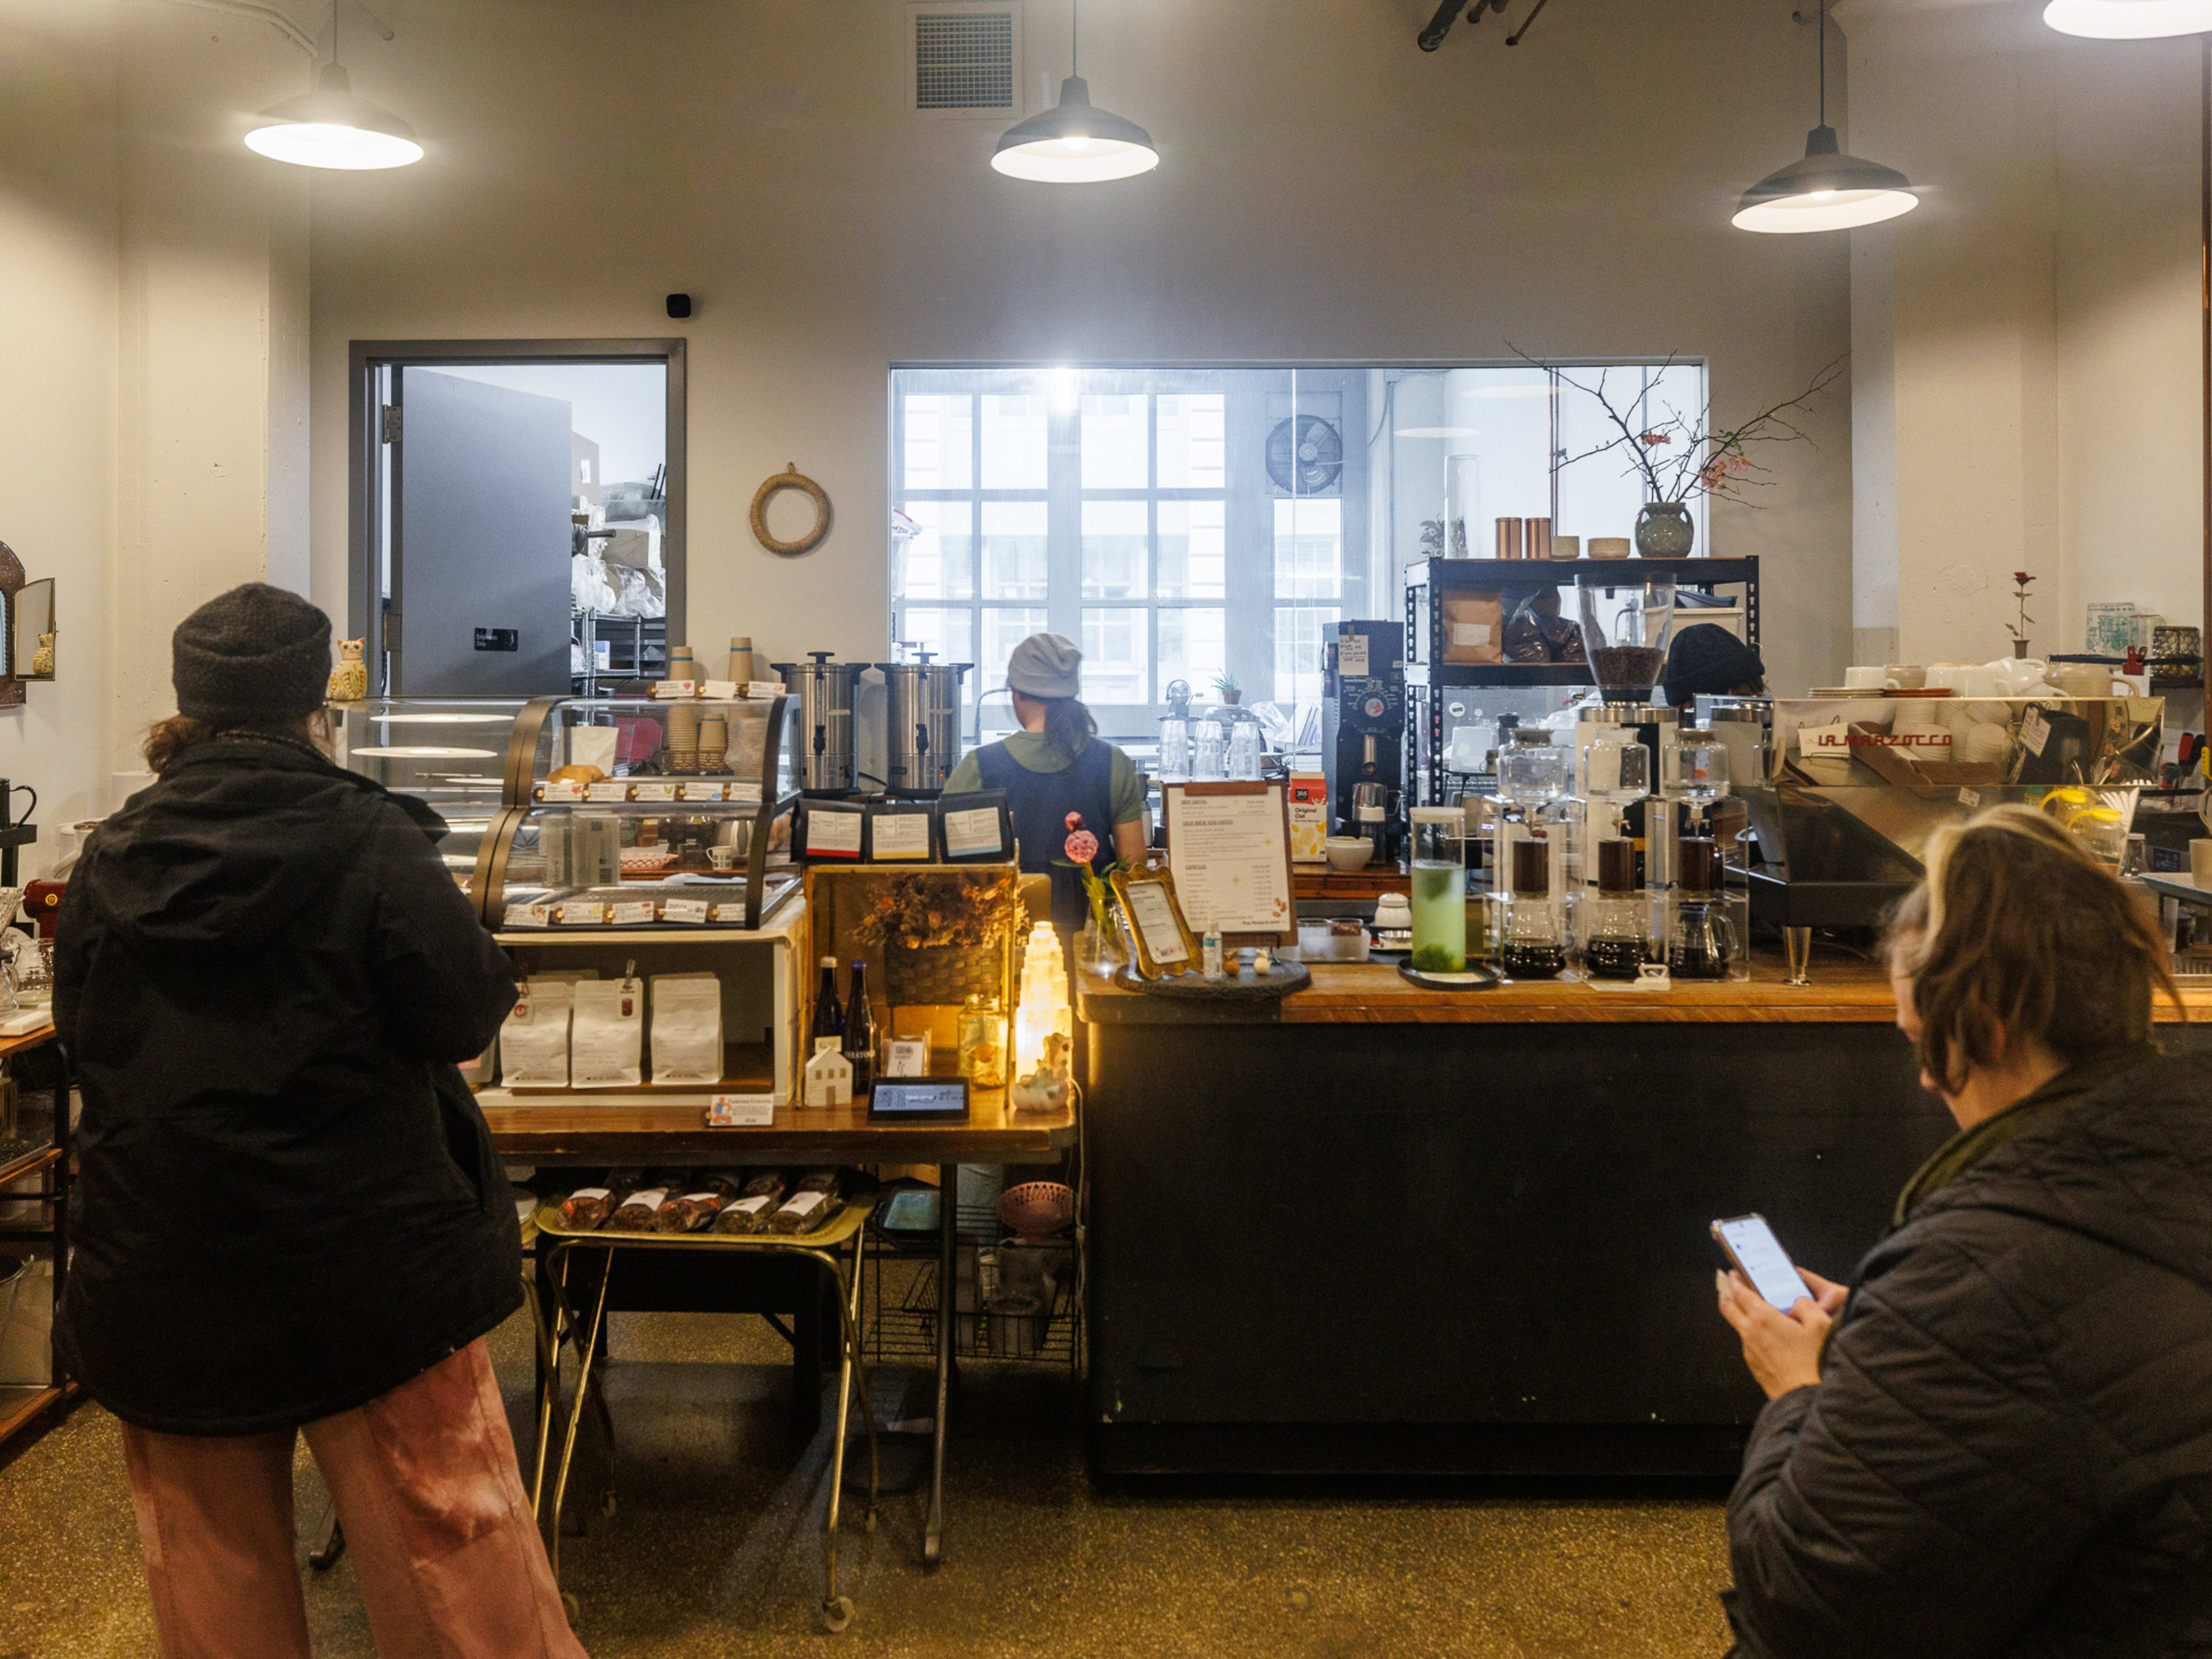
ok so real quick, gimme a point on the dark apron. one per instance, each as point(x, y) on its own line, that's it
point(1039, 803)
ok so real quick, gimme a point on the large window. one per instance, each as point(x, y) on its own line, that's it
point(1188, 524)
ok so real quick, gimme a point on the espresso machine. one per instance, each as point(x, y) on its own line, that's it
point(1363, 733)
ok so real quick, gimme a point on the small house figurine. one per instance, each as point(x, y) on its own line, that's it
point(349, 675)
point(829, 1079)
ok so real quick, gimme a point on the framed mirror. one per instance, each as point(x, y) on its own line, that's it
point(11, 584)
point(31, 631)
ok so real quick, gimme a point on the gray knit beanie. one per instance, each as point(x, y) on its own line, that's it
point(255, 654)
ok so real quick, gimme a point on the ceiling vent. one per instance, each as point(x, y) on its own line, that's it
point(964, 59)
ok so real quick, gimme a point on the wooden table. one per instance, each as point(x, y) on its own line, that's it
point(554, 1134)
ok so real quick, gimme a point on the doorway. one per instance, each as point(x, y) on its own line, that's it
point(518, 514)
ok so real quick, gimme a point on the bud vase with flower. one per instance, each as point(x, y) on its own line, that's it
point(1098, 949)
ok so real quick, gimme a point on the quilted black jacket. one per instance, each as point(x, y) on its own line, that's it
point(2009, 1452)
point(289, 1203)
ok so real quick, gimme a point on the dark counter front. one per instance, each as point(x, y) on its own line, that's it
point(1387, 1229)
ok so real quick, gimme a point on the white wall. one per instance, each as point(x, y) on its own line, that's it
point(58, 286)
point(2026, 343)
point(1328, 192)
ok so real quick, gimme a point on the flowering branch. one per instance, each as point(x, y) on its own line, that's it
point(1701, 458)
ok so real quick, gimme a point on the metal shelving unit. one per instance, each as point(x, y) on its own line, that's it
point(1427, 674)
point(637, 649)
point(906, 1301)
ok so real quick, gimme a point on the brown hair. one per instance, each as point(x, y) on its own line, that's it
point(167, 739)
point(1067, 723)
point(2017, 932)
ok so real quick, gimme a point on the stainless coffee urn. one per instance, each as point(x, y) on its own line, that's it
point(921, 724)
point(823, 709)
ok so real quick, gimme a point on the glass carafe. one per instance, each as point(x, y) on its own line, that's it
point(1696, 767)
point(1704, 941)
point(1440, 880)
point(1617, 917)
point(1209, 752)
point(1535, 942)
point(1532, 769)
point(1244, 751)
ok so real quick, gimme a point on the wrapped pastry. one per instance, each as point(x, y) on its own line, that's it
point(691, 1212)
point(637, 1213)
point(749, 1210)
point(584, 1210)
point(813, 1202)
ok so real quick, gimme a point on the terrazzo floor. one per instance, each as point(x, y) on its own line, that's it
point(714, 1547)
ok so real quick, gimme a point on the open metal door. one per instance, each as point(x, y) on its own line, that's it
point(480, 540)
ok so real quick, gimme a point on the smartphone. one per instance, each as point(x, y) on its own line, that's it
point(1758, 1255)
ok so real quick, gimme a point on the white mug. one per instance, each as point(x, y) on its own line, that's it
point(1904, 677)
point(1865, 680)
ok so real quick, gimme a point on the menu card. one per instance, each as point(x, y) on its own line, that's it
point(1228, 845)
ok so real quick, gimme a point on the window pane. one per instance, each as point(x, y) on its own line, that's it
point(949, 632)
point(1192, 650)
point(1013, 442)
point(1113, 536)
point(1300, 632)
point(940, 441)
point(1194, 432)
point(1014, 550)
point(1194, 550)
point(1115, 443)
point(1309, 548)
point(1003, 630)
point(939, 563)
point(1114, 655)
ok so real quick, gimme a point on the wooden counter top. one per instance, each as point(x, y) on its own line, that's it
point(1844, 992)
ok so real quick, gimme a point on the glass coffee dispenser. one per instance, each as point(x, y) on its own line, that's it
point(1536, 932)
point(1615, 913)
point(1439, 881)
point(1708, 926)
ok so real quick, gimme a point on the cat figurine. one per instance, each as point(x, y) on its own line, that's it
point(349, 678)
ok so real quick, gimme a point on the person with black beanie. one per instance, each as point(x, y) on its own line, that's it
point(290, 1218)
point(1708, 660)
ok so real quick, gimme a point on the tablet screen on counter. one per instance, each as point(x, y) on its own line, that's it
point(896, 1097)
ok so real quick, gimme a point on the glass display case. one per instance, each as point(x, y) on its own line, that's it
point(451, 753)
point(632, 812)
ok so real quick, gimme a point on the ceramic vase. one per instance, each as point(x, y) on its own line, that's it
point(1664, 530)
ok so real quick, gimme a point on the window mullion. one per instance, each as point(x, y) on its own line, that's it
point(1063, 480)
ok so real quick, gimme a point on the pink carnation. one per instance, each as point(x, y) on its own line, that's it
point(1082, 846)
point(1075, 820)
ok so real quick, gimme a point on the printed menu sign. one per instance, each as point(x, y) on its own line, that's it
point(1231, 857)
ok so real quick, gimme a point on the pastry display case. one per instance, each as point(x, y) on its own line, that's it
point(450, 752)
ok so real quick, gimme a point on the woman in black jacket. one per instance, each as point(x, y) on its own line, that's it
point(290, 1216)
point(1997, 1439)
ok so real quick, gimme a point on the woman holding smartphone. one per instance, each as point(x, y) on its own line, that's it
point(1997, 1438)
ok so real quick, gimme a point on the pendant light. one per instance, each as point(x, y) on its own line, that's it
point(1075, 142)
point(329, 127)
point(1828, 190)
point(2129, 20)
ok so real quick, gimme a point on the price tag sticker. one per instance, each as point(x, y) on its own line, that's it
point(1970, 798)
point(584, 915)
point(610, 789)
point(686, 910)
point(562, 789)
point(529, 916)
point(719, 690)
point(671, 689)
point(655, 791)
point(741, 1111)
point(630, 912)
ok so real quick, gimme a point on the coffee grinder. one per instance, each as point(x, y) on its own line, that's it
point(1364, 733)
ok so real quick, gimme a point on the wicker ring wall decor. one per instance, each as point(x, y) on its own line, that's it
point(790, 478)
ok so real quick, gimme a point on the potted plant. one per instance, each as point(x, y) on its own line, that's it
point(1225, 683)
point(1682, 458)
point(2020, 579)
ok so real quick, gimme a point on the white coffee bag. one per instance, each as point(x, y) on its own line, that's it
point(606, 1034)
point(687, 1029)
point(533, 1049)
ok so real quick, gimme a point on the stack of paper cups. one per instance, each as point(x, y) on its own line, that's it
point(741, 658)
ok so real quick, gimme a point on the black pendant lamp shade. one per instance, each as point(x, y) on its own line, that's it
point(1075, 142)
point(1826, 191)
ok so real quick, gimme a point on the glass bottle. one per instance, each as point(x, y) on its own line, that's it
point(1439, 882)
point(829, 1030)
point(860, 1043)
point(983, 1042)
